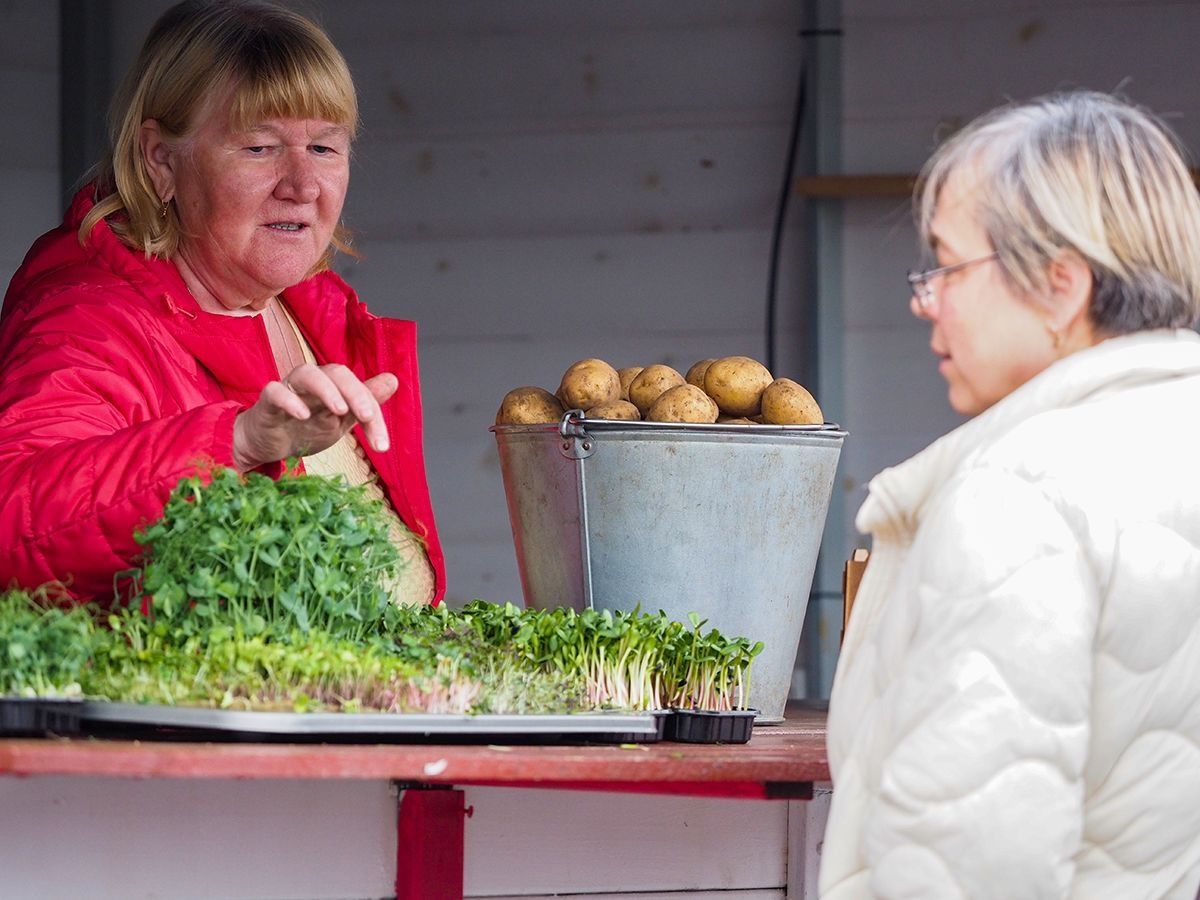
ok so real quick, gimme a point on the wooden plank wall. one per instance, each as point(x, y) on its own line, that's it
point(543, 181)
point(333, 839)
point(548, 181)
point(29, 143)
point(912, 73)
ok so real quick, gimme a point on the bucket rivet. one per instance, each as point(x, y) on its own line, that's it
point(587, 445)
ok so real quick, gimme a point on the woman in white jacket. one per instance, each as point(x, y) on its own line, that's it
point(1016, 711)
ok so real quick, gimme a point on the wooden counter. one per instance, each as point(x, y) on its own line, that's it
point(777, 762)
point(665, 809)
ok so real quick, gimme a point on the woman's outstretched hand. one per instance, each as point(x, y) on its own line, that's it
point(309, 410)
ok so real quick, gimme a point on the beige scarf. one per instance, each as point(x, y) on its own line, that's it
point(415, 581)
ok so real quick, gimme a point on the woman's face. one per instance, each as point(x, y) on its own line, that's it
point(989, 341)
point(258, 208)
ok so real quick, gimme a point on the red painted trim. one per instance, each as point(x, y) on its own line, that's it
point(429, 845)
point(733, 790)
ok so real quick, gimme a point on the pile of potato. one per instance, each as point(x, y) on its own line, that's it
point(735, 389)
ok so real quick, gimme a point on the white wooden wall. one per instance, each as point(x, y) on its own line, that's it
point(913, 70)
point(29, 139)
point(543, 180)
point(131, 839)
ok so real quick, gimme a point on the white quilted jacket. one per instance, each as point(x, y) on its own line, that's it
point(1016, 712)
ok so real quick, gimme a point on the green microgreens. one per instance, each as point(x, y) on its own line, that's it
point(43, 647)
point(264, 594)
point(252, 552)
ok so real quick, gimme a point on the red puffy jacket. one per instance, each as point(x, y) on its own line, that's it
point(114, 384)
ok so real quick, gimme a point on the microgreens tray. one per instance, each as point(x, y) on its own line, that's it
point(701, 726)
point(152, 721)
point(183, 721)
point(38, 716)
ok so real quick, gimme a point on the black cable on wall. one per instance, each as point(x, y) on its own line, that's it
point(781, 207)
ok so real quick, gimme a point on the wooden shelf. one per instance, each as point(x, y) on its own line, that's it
point(842, 186)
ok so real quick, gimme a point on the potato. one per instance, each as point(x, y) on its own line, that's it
point(785, 402)
point(627, 375)
point(695, 375)
point(614, 409)
point(529, 406)
point(737, 383)
point(588, 383)
point(683, 403)
point(650, 384)
point(735, 420)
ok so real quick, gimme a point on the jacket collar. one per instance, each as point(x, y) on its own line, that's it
point(235, 346)
point(897, 496)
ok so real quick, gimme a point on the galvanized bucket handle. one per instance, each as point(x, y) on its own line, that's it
point(576, 442)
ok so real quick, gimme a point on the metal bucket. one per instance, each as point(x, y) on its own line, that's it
point(721, 520)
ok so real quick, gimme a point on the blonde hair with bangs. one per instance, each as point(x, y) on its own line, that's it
point(1084, 172)
point(265, 61)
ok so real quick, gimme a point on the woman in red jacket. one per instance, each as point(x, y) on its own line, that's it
point(184, 313)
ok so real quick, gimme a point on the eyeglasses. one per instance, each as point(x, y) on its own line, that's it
point(922, 289)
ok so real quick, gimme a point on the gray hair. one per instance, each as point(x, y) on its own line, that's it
point(1085, 172)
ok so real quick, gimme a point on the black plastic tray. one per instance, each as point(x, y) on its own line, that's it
point(154, 722)
point(662, 725)
point(38, 716)
point(702, 726)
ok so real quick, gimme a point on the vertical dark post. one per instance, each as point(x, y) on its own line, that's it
point(820, 154)
point(85, 54)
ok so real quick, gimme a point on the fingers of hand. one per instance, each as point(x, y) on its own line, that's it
point(358, 398)
point(383, 386)
point(317, 388)
point(337, 390)
point(365, 399)
point(284, 397)
point(377, 434)
point(374, 427)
